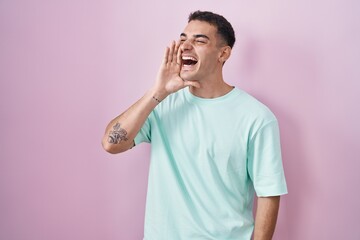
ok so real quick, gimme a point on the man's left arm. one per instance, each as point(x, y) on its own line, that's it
point(266, 216)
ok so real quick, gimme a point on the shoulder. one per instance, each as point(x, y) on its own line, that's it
point(255, 115)
point(254, 108)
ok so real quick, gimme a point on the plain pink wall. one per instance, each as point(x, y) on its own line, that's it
point(68, 67)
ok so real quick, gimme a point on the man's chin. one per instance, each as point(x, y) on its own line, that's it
point(186, 76)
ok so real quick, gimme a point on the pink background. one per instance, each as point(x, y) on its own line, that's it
point(68, 67)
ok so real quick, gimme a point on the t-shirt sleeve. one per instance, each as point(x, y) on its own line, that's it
point(144, 135)
point(265, 166)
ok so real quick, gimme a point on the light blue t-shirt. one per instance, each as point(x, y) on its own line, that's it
point(208, 158)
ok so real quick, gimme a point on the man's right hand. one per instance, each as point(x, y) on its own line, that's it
point(121, 131)
point(168, 79)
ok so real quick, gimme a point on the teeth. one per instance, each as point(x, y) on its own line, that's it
point(188, 58)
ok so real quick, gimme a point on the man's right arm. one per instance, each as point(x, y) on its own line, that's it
point(121, 131)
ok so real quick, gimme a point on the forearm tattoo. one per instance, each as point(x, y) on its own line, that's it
point(117, 135)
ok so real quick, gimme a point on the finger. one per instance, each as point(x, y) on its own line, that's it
point(166, 54)
point(175, 53)
point(192, 84)
point(170, 55)
point(178, 57)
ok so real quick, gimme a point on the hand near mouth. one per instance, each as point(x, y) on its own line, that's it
point(168, 79)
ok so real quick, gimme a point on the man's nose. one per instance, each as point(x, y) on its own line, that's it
point(186, 45)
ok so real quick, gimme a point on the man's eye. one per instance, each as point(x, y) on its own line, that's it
point(200, 41)
point(182, 40)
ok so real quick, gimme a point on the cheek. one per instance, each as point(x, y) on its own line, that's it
point(209, 60)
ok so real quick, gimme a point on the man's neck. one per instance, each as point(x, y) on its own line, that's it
point(211, 89)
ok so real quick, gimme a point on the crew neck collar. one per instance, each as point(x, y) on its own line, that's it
point(195, 99)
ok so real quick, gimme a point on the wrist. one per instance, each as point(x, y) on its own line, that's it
point(158, 95)
point(156, 99)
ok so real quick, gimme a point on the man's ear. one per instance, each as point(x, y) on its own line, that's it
point(224, 54)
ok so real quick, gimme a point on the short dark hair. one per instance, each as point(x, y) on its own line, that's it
point(224, 28)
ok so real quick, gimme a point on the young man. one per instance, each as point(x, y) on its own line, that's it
point(212, 145)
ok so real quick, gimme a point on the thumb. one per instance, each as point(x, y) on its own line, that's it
point(192, 84)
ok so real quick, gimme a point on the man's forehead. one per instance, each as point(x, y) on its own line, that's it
point(196, 27)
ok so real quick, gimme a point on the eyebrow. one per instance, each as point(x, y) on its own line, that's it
point(196, 36)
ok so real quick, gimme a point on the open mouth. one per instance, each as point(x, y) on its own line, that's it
point(188, 61)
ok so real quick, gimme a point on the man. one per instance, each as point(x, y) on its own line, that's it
point(212, 145)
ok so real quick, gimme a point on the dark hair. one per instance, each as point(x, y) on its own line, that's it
point(224, 28)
